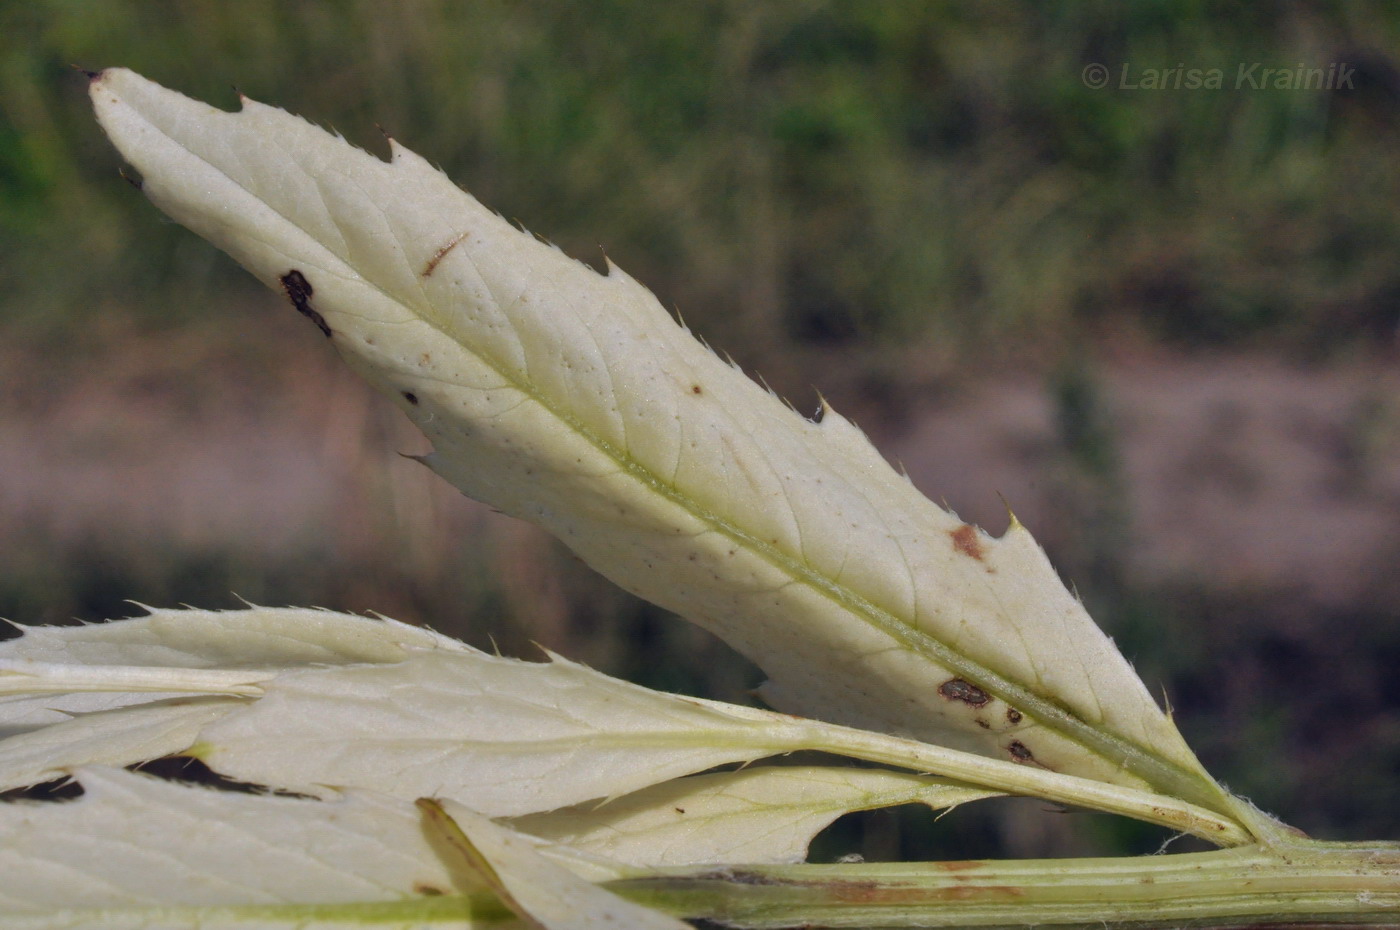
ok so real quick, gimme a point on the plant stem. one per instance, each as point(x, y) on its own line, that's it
point(1308, 883)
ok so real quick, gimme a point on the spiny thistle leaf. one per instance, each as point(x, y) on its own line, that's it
point(572, 399)
point(439, 718)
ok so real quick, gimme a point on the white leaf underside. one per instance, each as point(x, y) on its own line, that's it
point(53, 721)
point(573, 400)
point(185, 641)
point(123, 736)
point(755, 815)
point(505, 736)
point(137, 852)
point(134, 851)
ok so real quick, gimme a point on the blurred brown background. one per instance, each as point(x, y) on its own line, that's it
point(1161, 323)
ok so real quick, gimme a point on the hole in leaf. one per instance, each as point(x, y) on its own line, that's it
point(997, 828)
point(190, 771)
point(60, 789)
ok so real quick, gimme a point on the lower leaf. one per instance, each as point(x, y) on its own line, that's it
point(755, 815)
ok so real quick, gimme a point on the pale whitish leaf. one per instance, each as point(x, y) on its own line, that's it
point(511, 738)
point(134, 852)
point(542, 892)
point(572, 399)
point(755, 815)
point(55, 720)
point(506, 736)
point(256, 637)
point(123, 736)
point(185, 642)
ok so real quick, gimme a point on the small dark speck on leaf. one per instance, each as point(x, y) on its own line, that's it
point(1013, 715)
point(680, 810)
point(1019, 752)
point(956, 689)
point(431, 891)
point(696, 389)
point(411, 397)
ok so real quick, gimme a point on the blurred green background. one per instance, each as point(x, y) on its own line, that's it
point(1162, 323)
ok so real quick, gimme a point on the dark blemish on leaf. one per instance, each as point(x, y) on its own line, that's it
point(965, 541)
point(680, 810)
point(131, 179)
point(298, 288)
point(821, 412)
point(1013, 715)
point(299, 292)
point(424, 888)
point(982, 723)
point(411, 397)
point(956, 689)
point(91, 75)
point(441, 253)
point(960, 865)
point(1019, 752)
point(696, 389)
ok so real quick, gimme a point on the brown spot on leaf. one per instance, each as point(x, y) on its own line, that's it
point(892, 893)
point(299, 292)
point(431, 891)
point(1013, 715)
point(696, 389)
point(1019, 752)
point(680, 810)
point(441, 253)
point(965, 541)
point(411, 397)
point(956, 689)
point(960, 865)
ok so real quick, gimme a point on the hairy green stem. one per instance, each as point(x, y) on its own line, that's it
point(1307, 884)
